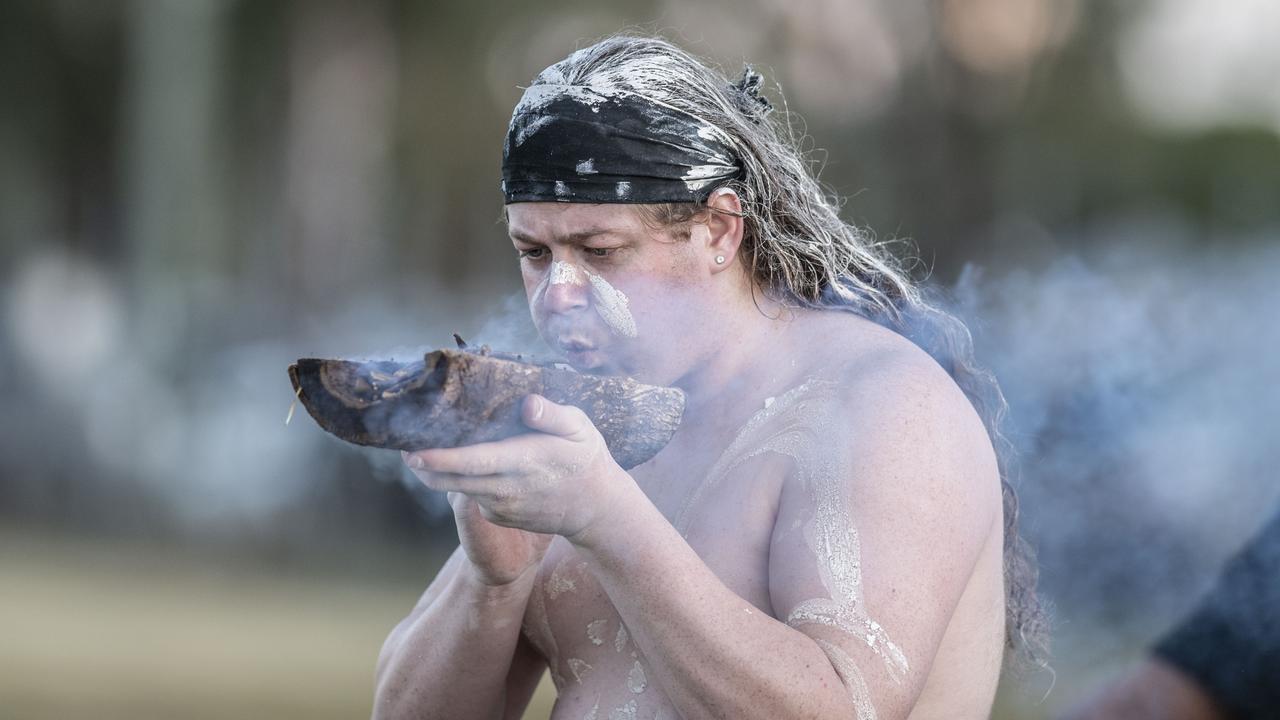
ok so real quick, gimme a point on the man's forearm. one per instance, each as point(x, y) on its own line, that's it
point(450, 659)
point(706, 645)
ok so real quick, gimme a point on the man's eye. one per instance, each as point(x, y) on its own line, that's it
point(533, 253)
point(599, 252)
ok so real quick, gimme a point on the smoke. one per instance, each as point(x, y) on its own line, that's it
point(508, 328)
point(114, 420)
point(1143, 382)
point(511, 329)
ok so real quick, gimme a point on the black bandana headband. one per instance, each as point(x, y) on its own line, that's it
point(573, 143)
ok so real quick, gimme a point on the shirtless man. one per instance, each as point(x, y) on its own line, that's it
point(822, 538)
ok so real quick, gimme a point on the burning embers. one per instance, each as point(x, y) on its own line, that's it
point(462, 397)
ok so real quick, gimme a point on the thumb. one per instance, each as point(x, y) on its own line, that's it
point(545, 416)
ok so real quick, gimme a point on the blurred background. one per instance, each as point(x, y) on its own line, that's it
point(193, 193)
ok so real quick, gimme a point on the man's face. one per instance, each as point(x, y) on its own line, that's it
point(612, 294)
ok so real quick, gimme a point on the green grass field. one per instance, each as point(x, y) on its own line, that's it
point(107, 631)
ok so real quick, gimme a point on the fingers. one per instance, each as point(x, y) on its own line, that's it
point(459, 484)
point(512, 455)
point(494, 497)
point(494, 493)
point(545, 416)
point(485, 486)
point(483, 459)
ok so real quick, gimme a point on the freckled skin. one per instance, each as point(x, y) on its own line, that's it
point(704, 606)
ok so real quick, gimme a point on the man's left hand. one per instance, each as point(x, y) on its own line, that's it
point(558, 479)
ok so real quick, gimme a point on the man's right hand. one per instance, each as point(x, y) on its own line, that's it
point(498, 555)
point(439, 662)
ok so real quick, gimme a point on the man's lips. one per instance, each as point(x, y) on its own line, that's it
point(581, 353)
point(574, 344)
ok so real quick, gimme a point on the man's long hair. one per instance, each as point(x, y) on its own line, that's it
point(798, 248)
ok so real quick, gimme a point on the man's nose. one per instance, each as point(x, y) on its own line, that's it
point(567, 295)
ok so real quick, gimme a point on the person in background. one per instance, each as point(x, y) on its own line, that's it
point(1222, 661)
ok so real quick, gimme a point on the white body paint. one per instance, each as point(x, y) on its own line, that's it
point(610, 303)
point(626, 712)
point(792, 425)
point(559, 582)
point(636, 680)
point(579, 668)
point(596, 630)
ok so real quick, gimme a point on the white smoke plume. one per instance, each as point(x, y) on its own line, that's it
point(1144, 388)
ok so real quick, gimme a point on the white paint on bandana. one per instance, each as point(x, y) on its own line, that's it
point(586, 167)
point(623, 190)
point(709, 132)
point(562, 190)
point(532, 127)
point(700, 176)
point(612, 306)
point(537, 97)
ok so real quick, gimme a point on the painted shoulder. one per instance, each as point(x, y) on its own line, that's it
point(890, 389)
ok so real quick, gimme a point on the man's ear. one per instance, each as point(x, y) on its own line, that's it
point(724, 228)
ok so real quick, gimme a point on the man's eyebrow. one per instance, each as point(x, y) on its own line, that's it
point(570, 239)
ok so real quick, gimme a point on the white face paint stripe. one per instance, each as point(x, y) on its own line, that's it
point(539, 291)
point(609, 302)
point(612, 306)
point(562, 273)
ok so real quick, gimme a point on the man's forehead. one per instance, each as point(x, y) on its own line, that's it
point(569, 222)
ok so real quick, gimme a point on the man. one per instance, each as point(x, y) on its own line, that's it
point(822, 538)
point(1222, 661)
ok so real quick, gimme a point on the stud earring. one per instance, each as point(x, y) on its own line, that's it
point(719, 259)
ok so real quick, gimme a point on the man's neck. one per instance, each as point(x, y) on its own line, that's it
point(740, 355)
